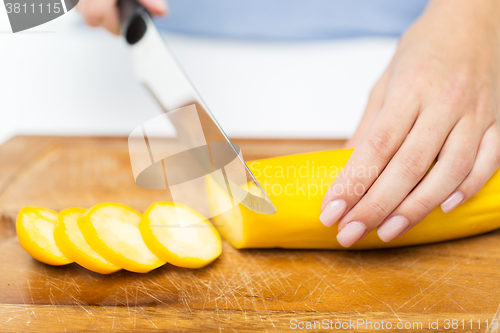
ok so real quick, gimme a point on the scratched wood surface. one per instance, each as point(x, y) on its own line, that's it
point(243, 291)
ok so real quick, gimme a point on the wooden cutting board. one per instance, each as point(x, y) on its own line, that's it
point(247, 290)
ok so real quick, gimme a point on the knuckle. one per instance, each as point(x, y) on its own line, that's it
point(403, 90)
point(473, 184)
point(484, 108)
point(377, 92)
point(378, 208)
point(357, 182)
point(424, 205)
point(456, 90)
point(374, 97)
point(410, 80)
point(381, 144)
point(413, 164)
point(460, 165)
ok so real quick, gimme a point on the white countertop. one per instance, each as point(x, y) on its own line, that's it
point(65, 78)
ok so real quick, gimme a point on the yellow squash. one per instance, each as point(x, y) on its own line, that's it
point(193, 246)
point(112, 230)
point(35, 230)
point(296, 185)
point(70, 240)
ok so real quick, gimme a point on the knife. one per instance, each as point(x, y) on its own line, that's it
point(157, 69)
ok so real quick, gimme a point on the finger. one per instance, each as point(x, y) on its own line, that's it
point(155, 7)
point(487, 162)
point(111, 20)
point(377, 147)
point(94, 11)
point(403, 172)
point(454, 164)
point(104, 12)
point(373, 107)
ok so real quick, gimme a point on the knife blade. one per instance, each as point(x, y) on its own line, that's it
point(158, 70)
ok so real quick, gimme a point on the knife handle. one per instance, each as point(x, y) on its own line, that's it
point(132, 15)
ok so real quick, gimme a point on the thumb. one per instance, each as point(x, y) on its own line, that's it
point(155, 7)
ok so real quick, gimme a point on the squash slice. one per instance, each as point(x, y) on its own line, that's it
point(35, 230)
point(192, 246)
point(112, 230)
point(70, 240)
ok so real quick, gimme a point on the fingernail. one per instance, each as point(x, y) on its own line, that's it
point(351, 233)
point(332, 212)
point(452, 202)
point(392, 228)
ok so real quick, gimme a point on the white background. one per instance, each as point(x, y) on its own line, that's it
point(65, 78)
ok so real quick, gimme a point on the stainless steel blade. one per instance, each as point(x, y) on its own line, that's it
point(157, 69)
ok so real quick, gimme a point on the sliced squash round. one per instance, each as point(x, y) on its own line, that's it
point(70, 240)
point(35, 230)
point(192, 246)
point(112, 230)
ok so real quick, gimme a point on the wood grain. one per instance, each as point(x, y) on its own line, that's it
point(243, 291)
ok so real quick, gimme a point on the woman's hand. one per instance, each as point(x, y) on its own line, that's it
point(104, 12)
point(437, 99)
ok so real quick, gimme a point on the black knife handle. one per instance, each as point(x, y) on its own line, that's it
point(132, 22)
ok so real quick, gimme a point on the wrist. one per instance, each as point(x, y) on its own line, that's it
point(476, 15)
point(469, 29)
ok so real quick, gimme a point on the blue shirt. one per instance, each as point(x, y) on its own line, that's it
point(291, 19)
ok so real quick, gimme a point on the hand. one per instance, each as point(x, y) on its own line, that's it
point(104, 12)
point(437, 99)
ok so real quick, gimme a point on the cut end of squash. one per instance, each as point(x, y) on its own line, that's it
point(230, 223)
point(70, 240)
point(113, 231)
point(193, 245)
point(35, 230)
